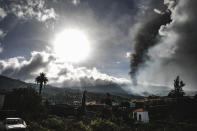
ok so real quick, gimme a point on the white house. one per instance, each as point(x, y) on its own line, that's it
point(141, 115)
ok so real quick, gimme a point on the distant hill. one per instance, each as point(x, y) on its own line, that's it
point(112, 88)
point(7, 83)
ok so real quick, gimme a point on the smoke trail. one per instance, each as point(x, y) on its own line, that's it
point(145, 39)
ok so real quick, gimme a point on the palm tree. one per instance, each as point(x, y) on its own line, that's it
point(42, 80)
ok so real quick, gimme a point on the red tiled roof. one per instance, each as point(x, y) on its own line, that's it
point(138, 110)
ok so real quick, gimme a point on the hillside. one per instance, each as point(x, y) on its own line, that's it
point(9, 83)
point(68, 94)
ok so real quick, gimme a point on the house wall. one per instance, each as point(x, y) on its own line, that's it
point(144, 116)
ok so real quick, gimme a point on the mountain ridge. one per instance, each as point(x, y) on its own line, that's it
point(8, 84)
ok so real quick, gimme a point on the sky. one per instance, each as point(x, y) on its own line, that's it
point(99, 42)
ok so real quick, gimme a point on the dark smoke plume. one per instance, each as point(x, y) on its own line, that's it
point(145, 39)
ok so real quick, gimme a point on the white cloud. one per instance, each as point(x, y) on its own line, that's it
point(2, 33)
point(3, 14)
point(128, 54)
point(32, 9)
point(158, 11)
point(76, 2)
point(59, 73)
point(1, 48)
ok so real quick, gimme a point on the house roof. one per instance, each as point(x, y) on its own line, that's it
point(139, 110)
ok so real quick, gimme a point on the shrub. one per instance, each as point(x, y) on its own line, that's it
point(33, 126)
point(101, 124)
point(54, 123)
point(78, 126)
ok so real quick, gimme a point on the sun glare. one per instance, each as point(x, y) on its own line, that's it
point(72, 45)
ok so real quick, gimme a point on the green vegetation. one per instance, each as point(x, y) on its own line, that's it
point(27, 103)
point(100, 124)
point(177, 113)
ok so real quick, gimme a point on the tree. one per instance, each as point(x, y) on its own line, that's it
point(177, 91)
point(26, 102)
point(195, 97)
point(83, 102)
point(42, 80)
point(108, 100)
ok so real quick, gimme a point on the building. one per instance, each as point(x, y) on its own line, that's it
point(132, 105)
point(140, 115)
point(115, 103)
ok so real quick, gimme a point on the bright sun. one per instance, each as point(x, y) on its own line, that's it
point(72, 45)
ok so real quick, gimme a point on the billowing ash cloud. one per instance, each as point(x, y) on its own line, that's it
point(146, 37)
point(175, 51)
point(59, 73)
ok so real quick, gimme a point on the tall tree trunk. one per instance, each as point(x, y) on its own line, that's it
point(84, 102)
point(40, 90)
